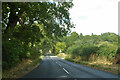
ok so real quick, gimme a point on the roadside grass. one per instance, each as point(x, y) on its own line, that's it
point(35, 62)
point(109, 68)
point(113, 68)
point(22, 68)
point(68, 59)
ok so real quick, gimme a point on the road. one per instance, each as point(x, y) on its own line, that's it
point(54, 67)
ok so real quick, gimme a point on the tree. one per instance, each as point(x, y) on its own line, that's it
point(60, 46)
point(51, 15)
point(69, 40)
point(26, 24)
point(81, 35)
point(94, 45)
point(111, 37)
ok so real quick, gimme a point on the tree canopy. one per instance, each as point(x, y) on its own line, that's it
point(50, 15)
point(28, 27)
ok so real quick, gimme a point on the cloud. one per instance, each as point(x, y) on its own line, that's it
point(82, 17)
point(95, 16)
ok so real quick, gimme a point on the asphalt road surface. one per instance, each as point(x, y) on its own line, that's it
point(54, 67)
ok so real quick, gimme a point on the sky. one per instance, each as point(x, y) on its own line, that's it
point(95, 16)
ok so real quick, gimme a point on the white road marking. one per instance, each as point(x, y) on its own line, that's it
point(59, 65)
point(65, 70)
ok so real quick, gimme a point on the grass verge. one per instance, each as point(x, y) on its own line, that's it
point(113, 68)
point(23, 68)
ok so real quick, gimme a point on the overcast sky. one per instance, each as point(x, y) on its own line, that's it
point(95, 16)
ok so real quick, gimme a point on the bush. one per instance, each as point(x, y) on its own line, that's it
point(107, 49)
point(10, 51)
point(83, 51)
point(88, 50)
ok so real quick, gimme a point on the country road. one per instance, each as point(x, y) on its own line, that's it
point(54, 67)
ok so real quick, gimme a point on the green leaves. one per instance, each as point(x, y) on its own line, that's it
point(32, 23)
point(60, 46)
point(85, 46)
point(51, 15)
point(107, 49)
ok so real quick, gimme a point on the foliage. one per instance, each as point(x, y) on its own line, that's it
point(110, 37)
point(107, 49)
point(29, 27)
point(51, 15)
point(101, 45)
point(60, 46)
point(69, 40)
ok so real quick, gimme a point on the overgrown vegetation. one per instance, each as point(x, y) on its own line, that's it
point(98, 51)
point(22, 68)
point(93, 47)
point(29, 27)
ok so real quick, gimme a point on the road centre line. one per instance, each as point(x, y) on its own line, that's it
point(65, 70)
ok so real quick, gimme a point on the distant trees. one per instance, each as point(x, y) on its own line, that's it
point(105, 45)
point(60, 46)
point(69, 40)
point(110, 37)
